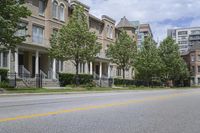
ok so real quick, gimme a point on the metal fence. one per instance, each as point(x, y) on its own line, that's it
point(19, 79)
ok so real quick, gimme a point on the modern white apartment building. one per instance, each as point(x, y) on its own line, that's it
point(185, 37)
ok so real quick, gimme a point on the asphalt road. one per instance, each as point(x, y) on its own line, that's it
point(167, 111)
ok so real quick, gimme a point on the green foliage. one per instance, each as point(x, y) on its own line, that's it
point(70, 79)
point(124, 82)
point(174, 67)
point(74, 41)
point(122, 52)
point(3, 74)
point(11, 11)
point(148, 63)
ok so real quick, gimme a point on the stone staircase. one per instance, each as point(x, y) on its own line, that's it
point(31, 82)
point(101, 82)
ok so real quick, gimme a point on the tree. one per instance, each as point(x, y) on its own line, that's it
point(174, 67)
point(74, 41)
point(11, 11)
point(148, 62)
point(122, 51)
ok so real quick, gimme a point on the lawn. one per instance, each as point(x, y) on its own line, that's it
point(80, 89)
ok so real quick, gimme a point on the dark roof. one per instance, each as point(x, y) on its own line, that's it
point(124, 23)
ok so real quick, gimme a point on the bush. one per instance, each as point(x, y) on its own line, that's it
point(69, 79)
point(3, 73)
point(124, 82)
point(4, 84)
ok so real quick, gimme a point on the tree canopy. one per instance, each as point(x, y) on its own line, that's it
point(174, 67)
point(122, 51)
point(148, 62)
point(74, 41)
point(11, 11)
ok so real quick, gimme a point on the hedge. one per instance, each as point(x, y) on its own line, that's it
point(135, 82)
point(69, 79)
point(4, 73)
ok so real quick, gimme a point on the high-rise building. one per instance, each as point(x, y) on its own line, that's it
point(142, 31)
point(185, 37)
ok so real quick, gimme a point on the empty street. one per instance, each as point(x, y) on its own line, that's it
point(158, 111)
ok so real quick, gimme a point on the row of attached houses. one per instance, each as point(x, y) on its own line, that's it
point(31, 57)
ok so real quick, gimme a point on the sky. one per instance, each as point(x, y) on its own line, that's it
point(160, 14)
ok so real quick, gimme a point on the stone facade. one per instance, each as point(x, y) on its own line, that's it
point(48, 16)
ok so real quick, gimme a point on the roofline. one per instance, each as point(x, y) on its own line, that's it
point(78, 2)
point(108, 18)
point(96, 18)
point(183, 28)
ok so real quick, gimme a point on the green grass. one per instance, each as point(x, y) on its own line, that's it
point(82, 89)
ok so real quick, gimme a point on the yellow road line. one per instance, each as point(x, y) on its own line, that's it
point(153, 98)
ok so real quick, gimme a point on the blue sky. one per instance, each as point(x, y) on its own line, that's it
point(161, 14)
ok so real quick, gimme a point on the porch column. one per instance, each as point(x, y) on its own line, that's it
point(54, 69)
point(9, 60)
point(37, 62)
point(109, 71)
point(1, 65)
point(91, 71)
point(100, 69)
point(16, 61)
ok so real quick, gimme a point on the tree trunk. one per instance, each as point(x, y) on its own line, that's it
point(124, 77)
point(77, 75)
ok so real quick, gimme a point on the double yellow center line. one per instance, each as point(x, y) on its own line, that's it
point(115, 104)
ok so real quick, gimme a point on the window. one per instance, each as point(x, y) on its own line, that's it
point(198, 69)
point(41, 7)
point(107, 30)
point(198, 80)
point(193, 69)
point(37, 34)
point(182, 33)
point(111, 32)
point(195, 31)
point(5, 59)
point(22, 29)
point(119, 72)
point(192, 58)
point(61, 12)
point(55, 9)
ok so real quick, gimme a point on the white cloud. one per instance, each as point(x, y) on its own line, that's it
point(147, 11)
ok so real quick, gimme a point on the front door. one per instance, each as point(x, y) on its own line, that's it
point(97, 69)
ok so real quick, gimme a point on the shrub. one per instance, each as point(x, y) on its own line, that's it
point(3, 73)
point(69, 79)
point(124, 82)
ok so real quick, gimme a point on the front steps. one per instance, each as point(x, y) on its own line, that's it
point(31, 82)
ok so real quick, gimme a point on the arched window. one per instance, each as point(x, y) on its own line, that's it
point(55, 9)
point(62, 12)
